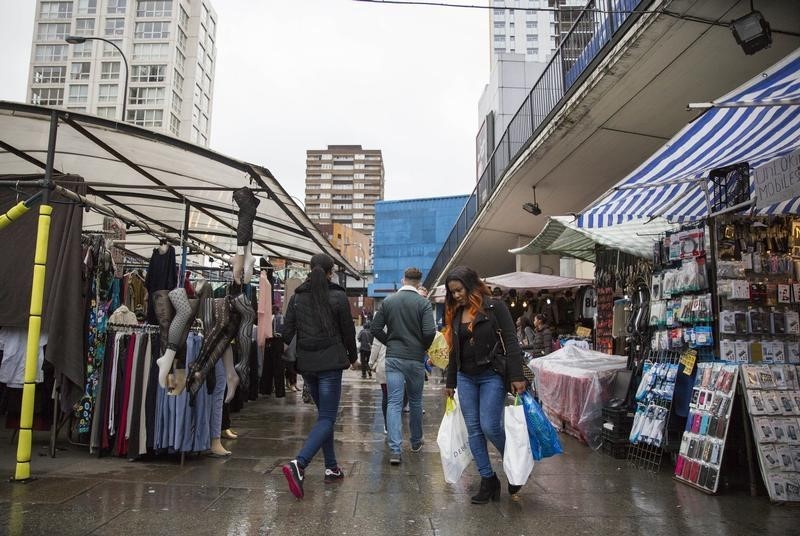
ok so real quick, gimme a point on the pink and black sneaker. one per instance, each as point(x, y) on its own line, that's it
point(294, 476)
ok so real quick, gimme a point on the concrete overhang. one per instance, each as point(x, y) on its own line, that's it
point(624, 110)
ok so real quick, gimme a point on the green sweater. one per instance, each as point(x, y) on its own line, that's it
point(408, 318)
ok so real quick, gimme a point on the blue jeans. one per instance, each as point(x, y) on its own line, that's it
point(482, 398)
point(326, 390)
point(404, 375)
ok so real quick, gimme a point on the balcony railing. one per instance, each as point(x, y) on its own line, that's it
point(593, 29)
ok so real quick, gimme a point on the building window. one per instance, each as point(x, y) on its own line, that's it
point(177, 81)
point(177, 103)
point(531, 24)
point(55, 10)
point(110, 51)
point(499, 24)
point(533, 51)
point(51, 52)
point(183, 18)
point(195, 115)
point(52, 31)
point(116, 7)
point(84, 27)
point(204, 14)
point(49, 75)
point(358, 185)
point(148, 73)
point(78, 94)
point(150, 96)
point(83, 50)
point(499, 50)
point(154, 8)
point(107, 111)
point(109, 70)
point(174, 124)
point(531, 38)
point(48, 96)
point(80, 71)
point(358, 195)
point(87, 7)
point(181, 39)
point(212, 27)
point(151, 51)
point(499, 38)
point(512, 38)
point(146, 118)
point(207, 83)
point(499, 12)
point(152, 30)
point(180, 59)
point(114, 27)
point(324, 186)
point(107, 92)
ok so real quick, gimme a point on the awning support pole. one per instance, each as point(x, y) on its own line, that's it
point(23, 469)
point(184, 236)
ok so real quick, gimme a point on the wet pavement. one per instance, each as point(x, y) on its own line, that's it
point(580, 492)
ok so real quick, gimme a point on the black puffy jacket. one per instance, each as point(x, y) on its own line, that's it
point(317, 351)
point(484, 335)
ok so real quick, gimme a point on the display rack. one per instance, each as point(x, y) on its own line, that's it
point(703, 442)
point(653, 393)
point(773, 405)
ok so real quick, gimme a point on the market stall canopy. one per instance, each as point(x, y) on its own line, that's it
point(562, 236)
point(756, 123)
point(534, 282)
point(151, 177)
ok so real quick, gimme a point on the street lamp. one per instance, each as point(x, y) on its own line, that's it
point(78, 40)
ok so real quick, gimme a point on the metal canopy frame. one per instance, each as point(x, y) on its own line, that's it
point(281, 228)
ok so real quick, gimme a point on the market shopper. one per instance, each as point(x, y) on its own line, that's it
point(319, 316)
point(525, 333)
point(472, 320)
point(410, 328)
point(542, 343)
point(364, 348)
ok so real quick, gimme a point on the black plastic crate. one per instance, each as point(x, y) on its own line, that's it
point(616, 449)
point(617, 434)
point(617, 416)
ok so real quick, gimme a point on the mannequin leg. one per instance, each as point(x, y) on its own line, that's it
point(249, 263)
point(245, 338)
point(247, 203)
point(238, 265)
point(216, 411)
point(183, 319)
point(231, 378)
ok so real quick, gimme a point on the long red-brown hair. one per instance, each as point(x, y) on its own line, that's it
point(476, 290)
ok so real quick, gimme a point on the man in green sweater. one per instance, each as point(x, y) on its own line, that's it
point(410, 330)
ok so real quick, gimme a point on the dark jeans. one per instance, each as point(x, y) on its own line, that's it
point(326, 390)
point(482, 397)
point(365, 364)
point(384, 401)
point(272, 373)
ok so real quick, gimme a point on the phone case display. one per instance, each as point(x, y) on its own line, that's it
point(759, 314)
point(703, 442)
point(773, 402)
point(681, 308)
point(605, 320)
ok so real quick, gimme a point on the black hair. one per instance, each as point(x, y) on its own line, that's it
point(526, 322)
point(321, 266)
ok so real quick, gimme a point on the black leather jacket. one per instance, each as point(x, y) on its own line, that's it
point(485, 337)
point(315, 350)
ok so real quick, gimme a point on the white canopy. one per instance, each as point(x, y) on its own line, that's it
point(152, 177)
point(522, 281)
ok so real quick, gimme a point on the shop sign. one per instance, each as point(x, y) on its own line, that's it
point(777, 180)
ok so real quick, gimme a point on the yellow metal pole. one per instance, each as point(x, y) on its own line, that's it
point(23, 471)
point(15, 213)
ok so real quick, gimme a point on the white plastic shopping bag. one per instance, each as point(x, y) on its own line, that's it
point(517, 458)
point(453, 442)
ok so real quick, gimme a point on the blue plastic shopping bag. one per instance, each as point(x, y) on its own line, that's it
point(544, 437)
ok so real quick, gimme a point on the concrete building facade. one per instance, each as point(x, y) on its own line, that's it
point(170, 46)
point(343, 183)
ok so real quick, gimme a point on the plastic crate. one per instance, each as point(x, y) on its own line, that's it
point(616, 449)
point(616, 434)
point(617, 416)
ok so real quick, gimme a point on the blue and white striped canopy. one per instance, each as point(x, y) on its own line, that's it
point(673, 182)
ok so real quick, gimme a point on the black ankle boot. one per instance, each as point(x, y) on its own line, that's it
point(513, 490)
point(490, 490)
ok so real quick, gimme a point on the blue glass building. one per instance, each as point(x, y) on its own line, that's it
point(410, 233)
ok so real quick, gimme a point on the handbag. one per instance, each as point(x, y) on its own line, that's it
point(289, 353)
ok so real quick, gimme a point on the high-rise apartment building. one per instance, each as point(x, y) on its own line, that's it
point(343, 183)
point(524, 30)
point(171, 52)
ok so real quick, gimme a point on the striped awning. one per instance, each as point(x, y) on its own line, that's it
point(756, 123)
point(562, 236)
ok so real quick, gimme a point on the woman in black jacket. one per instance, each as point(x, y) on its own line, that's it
point(472, 320)
point(319, 316)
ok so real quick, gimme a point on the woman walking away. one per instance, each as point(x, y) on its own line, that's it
point(377, 363)
point(472, 322)
point(319, 316)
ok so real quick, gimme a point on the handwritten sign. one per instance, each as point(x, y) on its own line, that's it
point(777, 180)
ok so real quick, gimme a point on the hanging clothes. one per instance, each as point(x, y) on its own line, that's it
point(264, 323)
point(13, 343)
point(162, 274)
point(136, 299)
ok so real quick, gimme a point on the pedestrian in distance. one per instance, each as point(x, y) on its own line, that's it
point(318, 314)
point(542, 343)
point(410, 328)
point(364, 348)
point(477, 326)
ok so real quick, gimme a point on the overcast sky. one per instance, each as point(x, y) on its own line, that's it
point(303, 74)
